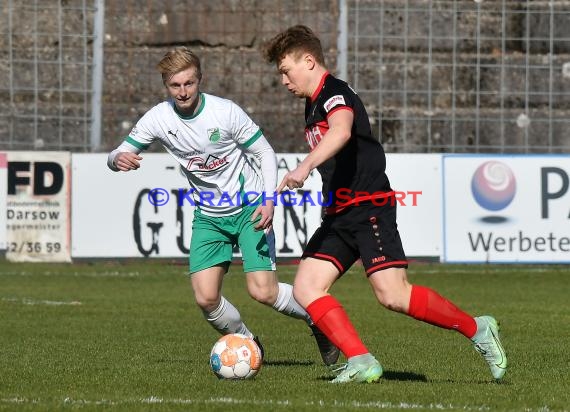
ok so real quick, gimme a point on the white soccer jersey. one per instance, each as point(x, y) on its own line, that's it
point(208, 147)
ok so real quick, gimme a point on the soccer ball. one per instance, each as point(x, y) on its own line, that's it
point(235, 356)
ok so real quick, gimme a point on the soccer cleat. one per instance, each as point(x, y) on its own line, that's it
point(256, 340)
point(329, 352)
point(349, 372)
point(489, 346)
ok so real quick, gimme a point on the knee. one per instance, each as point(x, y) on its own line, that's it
point(393, 304)
point(392, 300)
point(208, 301)
point(392, 292)
point(207, 304)
point(266, 296)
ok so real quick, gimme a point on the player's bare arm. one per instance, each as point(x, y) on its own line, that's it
point(340, 125)
point(264, 153)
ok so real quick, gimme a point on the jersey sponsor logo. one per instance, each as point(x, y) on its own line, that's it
point(214, 135)
point(315, 134)
point(334, 101)
point(194, 162)
point(210, 164)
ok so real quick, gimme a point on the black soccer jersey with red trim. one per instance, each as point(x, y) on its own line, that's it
point(357, 172)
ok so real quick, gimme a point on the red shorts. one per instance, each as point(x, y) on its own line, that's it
point(368, 232)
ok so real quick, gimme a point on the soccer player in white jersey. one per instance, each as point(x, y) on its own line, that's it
point(210, 136)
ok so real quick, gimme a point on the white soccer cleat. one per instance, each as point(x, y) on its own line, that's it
point(489, 346)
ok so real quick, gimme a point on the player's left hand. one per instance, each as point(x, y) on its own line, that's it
point(264, 213)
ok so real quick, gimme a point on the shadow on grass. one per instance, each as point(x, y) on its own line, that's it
point(390, 376)
point(174, 360)
point(287, 362)
point(473, 382)
point(403, 376)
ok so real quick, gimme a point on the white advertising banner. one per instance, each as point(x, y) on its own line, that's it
point(37, 207)
point(3, 194)
point(146, 212)
point(417, 180)
point(506, 209)
point(112, 213)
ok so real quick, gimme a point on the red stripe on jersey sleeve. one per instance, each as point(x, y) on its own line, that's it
point(336, 109)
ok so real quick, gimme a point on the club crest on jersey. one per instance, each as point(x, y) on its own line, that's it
point(214, 135)
point(334, 101)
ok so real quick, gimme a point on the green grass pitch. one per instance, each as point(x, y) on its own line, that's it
point(127, 336)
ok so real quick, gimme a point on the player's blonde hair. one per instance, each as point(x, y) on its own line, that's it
point(296, 40)
point(177, 60)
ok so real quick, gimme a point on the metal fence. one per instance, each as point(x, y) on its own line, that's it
point(46, 74)
point(436, 76)
point(461, 76)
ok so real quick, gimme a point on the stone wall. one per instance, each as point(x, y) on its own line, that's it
point(462, 80)
point(227, 35)
point(449, 93)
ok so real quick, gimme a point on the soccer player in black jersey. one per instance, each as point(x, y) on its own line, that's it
point(361, 219)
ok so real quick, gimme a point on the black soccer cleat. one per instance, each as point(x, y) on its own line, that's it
point(260, 346)
point(329, 352)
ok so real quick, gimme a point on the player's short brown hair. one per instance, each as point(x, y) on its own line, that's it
point(176, 60)
point(296, 40)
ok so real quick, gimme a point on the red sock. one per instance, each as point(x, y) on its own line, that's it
point(428, 306)
point(331, 318)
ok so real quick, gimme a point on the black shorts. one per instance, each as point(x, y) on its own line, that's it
point(367, 231)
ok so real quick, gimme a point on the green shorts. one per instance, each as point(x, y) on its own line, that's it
point(214, 238)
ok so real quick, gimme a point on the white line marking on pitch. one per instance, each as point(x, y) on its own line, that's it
point(341, 405)
point(27, 301)
point(344, 405)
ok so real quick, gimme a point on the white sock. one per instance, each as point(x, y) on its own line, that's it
point(226, 319)
point(287, 305)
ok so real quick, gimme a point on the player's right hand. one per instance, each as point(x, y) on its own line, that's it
point(295, 179)
point(126, 161)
